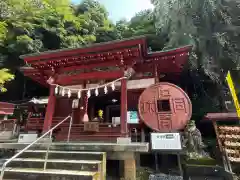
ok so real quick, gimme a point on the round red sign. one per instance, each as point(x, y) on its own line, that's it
point(164, 107)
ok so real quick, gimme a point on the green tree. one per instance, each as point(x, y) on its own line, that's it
point(210, 26)
point(5, 76)
point(3, 32)
point(202, 24)
point(40, 25)
point(143, 23)
point(95, 23)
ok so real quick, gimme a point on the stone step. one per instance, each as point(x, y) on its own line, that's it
point(101, 130)
point(5, 135)
point(108, 127)
point(70, 155)
point(49, 174)
point(100, 133)
point(91, 137)
point(65, 164)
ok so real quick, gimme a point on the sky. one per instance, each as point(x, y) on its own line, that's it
point(119, 9)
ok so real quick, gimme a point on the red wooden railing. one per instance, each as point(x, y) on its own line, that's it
point(7, 125)
point(106, 130)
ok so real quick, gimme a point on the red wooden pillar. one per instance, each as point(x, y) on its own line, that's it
point(50, 110)
point(156, 73)
point(123, 119)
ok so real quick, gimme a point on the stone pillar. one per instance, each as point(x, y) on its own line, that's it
point(123, 119)
point(50, 110)
point(130, 169)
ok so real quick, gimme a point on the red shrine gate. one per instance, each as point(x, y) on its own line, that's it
point(95, 65)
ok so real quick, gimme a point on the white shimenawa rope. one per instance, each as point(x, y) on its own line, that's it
point(87, 89)
point(127, 74)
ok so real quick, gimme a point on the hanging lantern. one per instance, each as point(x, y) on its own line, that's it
point(96, 92)
point(105, 90)
point(113, 86)
point(79, 94)
point(69, 93)
point(56, 89)
point(63, 91)
point(88, 94)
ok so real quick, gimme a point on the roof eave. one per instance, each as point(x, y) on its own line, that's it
point(87, 46)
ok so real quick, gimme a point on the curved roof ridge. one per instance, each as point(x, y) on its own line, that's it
point(170, 49)
point(82, 47)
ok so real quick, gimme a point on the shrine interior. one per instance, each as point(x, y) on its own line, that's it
point(108, 103)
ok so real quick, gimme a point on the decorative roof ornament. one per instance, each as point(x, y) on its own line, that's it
point(50, 80)
point(129, 73)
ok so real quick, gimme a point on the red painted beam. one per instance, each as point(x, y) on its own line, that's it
point(95, 65)
point(88, 59)
point(67, 80)
point(90, 66)
point(110, 46)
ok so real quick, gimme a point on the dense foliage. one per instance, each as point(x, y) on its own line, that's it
point(211, 26)
point(29, 26)
point(5, 76)
point(39, 25)
point(207, 25)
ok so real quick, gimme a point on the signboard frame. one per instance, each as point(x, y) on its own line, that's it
point(177, 152)
point(174, 151)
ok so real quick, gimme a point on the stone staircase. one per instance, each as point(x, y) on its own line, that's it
point(64, 165)
point(107, 133)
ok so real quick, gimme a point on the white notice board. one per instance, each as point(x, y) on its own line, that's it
point(166, 141)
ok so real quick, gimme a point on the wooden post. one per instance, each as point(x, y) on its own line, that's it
point(180, 164)
point(50, 110)
point(130, 169)
point(123, 118)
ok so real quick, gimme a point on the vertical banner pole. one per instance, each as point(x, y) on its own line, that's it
point(233, 93)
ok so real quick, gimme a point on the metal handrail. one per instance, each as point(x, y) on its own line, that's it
point(34, 142)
